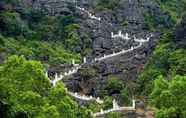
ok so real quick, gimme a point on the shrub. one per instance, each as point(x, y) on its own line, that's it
point(114, 85)
point(11, 24)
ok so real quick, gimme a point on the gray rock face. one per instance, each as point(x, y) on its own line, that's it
point(180, 34)
point(127, 17)
point(126, 67)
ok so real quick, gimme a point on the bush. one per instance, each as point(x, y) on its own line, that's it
point(172, 11)
point(114, 85)
point(12, 25)
point(169, 97)
point(87, 73)
point(107, 103)
point(114, 115)
point(25, 91)
point(125, 97)
point(107, 4)
point(47, 52)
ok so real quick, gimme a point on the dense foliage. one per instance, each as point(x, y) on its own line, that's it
point(167, 60)
point(32, 34)
point(107, 4)
point(26, 92)
point(172, 11)
point(47, 52)
point(50, 39)
point(116, 86)
point(173, 7)
point(163, 78)
point(169, 97)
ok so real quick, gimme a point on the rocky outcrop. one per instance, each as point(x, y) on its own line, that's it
point(180, 34)
point(126, 67)
point(127, 17)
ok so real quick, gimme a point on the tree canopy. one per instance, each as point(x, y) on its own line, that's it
point(26, 91)
point(169, 97)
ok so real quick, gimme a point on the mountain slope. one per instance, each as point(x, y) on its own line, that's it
point(108, 34)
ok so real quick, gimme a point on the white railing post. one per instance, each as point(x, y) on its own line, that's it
point(73, 62)
point(84, 60)
point(56, 76)
point(120, 33)
point(133, 104)
point(101, 111)
point(46, 74)
point(115, 104)
point(112, 35)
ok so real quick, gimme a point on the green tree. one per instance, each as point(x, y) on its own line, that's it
point(114, 115)
point(114, 85)
point(169, 97)
point(12, 24)
point(107, 103)
point(23, 85)
point(26, 92)
point(125, 97)
point(177, 61)
point(107, 4)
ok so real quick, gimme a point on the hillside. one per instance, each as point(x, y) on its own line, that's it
point(85, 58)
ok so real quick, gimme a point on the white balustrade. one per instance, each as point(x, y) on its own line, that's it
point(140, 41)
point(120, 35)
point(116, 108)
point(133, 104)
point(84, 60)
point(73, 62)
point(46, 74)
point(84, 97)
point(61, 76)
point(101, 110)
point(89, 14)
point(75, 69)
point(65, 73)
point(115, 104)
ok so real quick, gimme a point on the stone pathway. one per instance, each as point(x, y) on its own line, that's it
point(116, 108)
point(74, 69)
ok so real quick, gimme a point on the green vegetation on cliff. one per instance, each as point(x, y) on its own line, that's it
point(172, 11)
point(107, 4)
point(163, 78)
point(36, 35)
point(168, 96)
point(173, 7)
point(30, 34)
point(47, 52)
